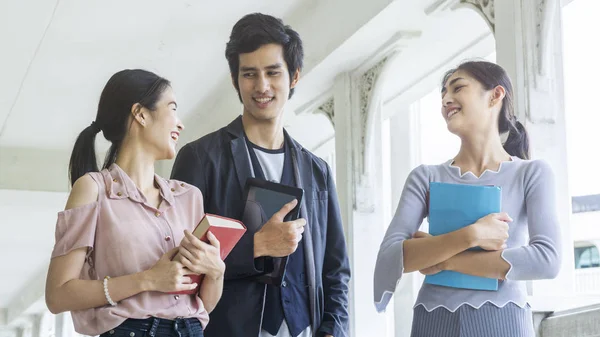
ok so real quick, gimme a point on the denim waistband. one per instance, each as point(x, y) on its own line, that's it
point(154, 326)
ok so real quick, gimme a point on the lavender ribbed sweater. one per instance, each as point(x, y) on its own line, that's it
point(533, 252)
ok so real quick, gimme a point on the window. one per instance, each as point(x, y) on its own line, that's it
point(436, 143)
point(580, 57)
point(587, 257)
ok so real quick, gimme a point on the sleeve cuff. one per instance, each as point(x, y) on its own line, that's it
point(329, 328)
point(263, 264)
point(510, 268)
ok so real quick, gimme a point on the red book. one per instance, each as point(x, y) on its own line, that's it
point(228, 231)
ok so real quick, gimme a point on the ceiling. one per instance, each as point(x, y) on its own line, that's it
point(59, 56)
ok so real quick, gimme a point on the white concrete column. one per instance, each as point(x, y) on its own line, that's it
point(360, 224)
point(529, 46)
point(357, 118)
point(344, 180)
point(404, 156)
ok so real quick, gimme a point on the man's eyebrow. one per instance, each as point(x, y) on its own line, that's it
point(248, 69)
point(274, 66)
point(269, 67)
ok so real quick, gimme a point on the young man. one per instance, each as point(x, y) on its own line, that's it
point(265, 59)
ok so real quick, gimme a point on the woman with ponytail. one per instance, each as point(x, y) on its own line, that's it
point(111, 265)
point(520, 243)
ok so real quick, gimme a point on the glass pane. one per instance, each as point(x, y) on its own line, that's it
point(585, 258)
point(437, 144)
point(595, 257)
point(581, 74)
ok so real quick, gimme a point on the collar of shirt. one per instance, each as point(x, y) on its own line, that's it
point(120, 186)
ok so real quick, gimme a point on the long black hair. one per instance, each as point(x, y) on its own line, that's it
point(491, 75)
point(122, 91)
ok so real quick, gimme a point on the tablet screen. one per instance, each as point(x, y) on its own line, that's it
point(263, 200)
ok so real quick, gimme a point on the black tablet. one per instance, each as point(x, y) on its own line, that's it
point(263, 199)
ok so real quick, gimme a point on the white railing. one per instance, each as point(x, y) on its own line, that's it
point(582, 321)
point(587, 281)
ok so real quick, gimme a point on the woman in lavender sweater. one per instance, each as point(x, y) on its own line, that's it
point(521, 243)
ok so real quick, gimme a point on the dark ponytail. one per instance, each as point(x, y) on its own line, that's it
point(83, 157)
point(517, 143)
point(491, 75)
point(122, 91)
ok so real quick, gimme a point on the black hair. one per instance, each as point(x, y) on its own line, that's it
point(491, 75)
point(256, 30)
point(122, 91)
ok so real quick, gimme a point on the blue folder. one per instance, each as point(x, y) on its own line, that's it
point(452, 207)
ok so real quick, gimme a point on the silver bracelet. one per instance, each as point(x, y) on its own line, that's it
point(110, 301)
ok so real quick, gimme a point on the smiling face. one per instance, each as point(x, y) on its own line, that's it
point(467, 107)
point(264, 82)
point(162, 127)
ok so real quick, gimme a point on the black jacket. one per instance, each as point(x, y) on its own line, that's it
point(218, 164)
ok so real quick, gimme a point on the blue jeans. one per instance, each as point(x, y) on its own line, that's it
point(157, 327)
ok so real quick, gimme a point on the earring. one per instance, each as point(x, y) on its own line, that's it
point(143, 123)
